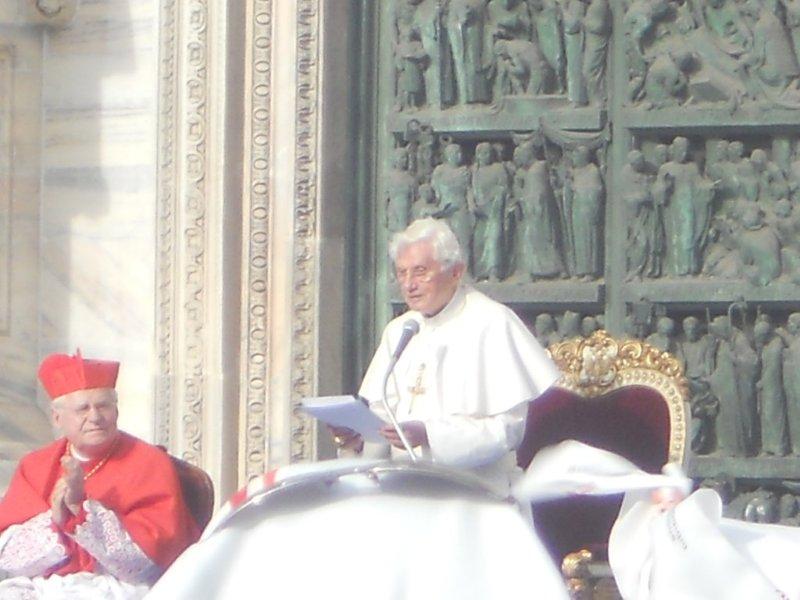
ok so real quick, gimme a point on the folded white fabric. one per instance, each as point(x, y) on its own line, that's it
point(688, 552)
point(574, 468)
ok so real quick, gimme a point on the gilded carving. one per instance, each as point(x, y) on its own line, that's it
point(598, 364)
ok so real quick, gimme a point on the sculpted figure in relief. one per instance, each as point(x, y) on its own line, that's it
point(544, 328)
point(696, 354)
point(771, 399)
point(645, 241)
point(597, 26)
point(759, 247)
point(425, 205)
point(491, 189)
point(666, 82)
point(466, 22)
point(409, 61)
point(570, 325)
point(687, 203)
point(574, 41)
point(452, 185)
point(662, 337)
point(520, 68)
point(793, 23)
point(772, 57)
point(439, 82)
point(639, 21)
point(549, 28)
point(733, 383)
point(537, 250)
point(791, 380)
point(584, 187)
point(400, 191)
point(722, 253)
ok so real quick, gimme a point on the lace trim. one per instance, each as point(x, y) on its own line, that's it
point(103, 536)
point(31, 548)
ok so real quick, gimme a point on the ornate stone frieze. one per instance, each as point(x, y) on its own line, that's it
point(166, 222)
point(304, 304)
point(256, 236)
point(182, 236)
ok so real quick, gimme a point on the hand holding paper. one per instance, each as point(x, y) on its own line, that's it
point(349, 412)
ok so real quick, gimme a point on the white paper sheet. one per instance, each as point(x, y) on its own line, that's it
point(346, 411)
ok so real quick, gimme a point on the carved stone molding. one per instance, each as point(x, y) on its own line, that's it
point(182, 230)
point(599, 364)
point(256, 236)
point(166, 221)
point(304, 308)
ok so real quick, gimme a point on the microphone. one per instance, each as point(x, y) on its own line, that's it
point(410, 329)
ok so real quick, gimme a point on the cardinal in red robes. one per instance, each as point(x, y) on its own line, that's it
point(97, 513)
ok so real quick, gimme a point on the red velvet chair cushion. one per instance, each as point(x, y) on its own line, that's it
point(632, 422)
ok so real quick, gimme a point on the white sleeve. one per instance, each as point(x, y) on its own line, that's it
point(31, 548)
point(471, 442)
point(103, 536)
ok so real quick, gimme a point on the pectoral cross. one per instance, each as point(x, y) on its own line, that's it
point(418, 389)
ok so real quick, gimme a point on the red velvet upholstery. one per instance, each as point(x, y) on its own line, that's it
point(632, 422)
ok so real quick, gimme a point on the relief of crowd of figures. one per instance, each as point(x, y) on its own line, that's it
point(730, 52)
point(713, 208)
point(456, 52)
point(719, 208)
point(704, 196)
point(539, 215)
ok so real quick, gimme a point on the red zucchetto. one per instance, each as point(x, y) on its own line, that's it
point(61, 374)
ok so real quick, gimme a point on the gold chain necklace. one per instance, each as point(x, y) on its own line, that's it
point(102, 461)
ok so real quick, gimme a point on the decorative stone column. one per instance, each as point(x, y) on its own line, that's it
point(232, 370)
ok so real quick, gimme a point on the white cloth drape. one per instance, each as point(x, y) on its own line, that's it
point(355, 538)
point(688, 552)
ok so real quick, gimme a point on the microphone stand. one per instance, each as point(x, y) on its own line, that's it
point(389, 411)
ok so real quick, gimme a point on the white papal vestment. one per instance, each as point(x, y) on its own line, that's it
point(468, 375)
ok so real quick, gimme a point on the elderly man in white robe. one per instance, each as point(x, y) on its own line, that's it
point(461, 388)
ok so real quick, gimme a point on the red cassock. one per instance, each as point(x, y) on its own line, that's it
point(138, 483)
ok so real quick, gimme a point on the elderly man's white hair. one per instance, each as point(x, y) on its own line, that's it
point(445, 244)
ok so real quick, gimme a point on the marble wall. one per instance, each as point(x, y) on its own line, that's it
point(78, 101)
point(99, 107)
point(23, 421)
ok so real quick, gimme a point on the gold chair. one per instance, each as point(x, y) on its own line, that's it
point(627, 397)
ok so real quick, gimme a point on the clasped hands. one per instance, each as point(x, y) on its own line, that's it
point(68, 493)
point(415, 432)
